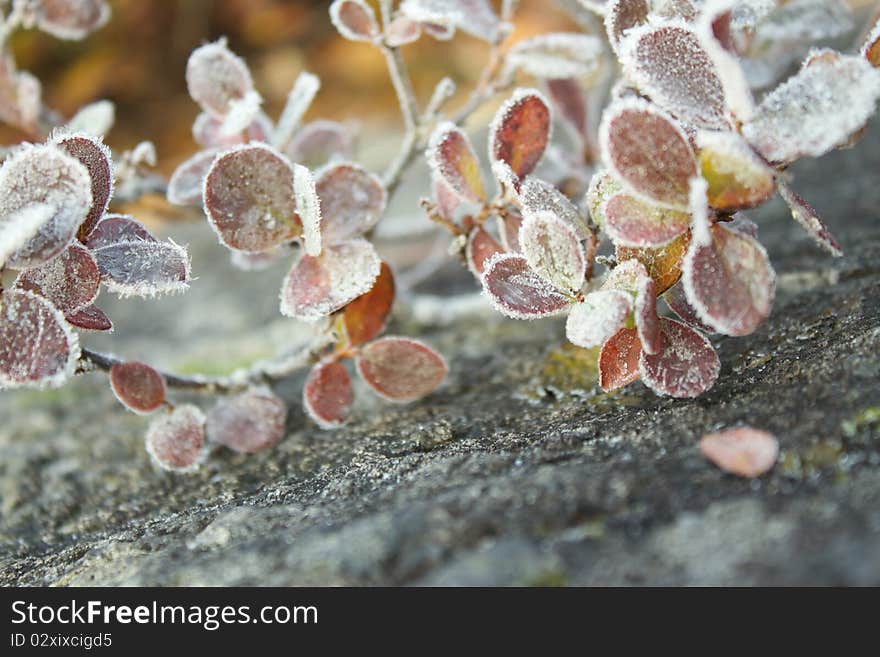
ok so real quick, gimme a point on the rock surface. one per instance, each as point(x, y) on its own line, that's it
point(517, 472)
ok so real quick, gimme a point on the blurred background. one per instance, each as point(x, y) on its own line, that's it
point(138, 61)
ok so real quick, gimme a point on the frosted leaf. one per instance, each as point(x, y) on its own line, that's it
point(37, 347)
point(728, 278)
point(250, 422)
point(188, 180)
point(317, 287)
point(556, 55)
point(481, 246)
point(744, 225)
point(143, 268)
point(256, 261)
point(354, 19)
point(520, 131)
point(241, 115)
point(553, 251)
point(663, 263)
point(439, 31)
point(175, 441)
point(508, 227)
point(809, 219)
point(669, 64)
point(871, 48)
point(298, 101)
point(805, 21)
point(402, 31)
point(319, 142)
point(95, 156)
point(687, 365)
point(352, 200)
point(632, 222)
point(249, 198)
point(737, 178)
point(508, 182)
point(44, 198)
point(570, 104)
point(221, 83)
point(472, 16)
point(90, 318)
point(20, 96)
point(95, 119)
point(70, 282)
point(599, 316)
point(401, 369)
point(678, 303)
point(308, 207)
point(518, 292)
point(648, 152)
point(818, 109)
point(602, 187)
point(452, 159)
point(210, 131)
point(742, 451)
point(115, 228)
point(138, 387)
point(327, 395)
point(623, 15)
point(647, 320)
point(684, 9)
point(365, 317)
point(619, 360)
point(70, 19)
point(626, 276)
point(536, 196)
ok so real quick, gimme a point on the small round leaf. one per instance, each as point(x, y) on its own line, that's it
point(686, 366)
point(401, 369)
point(250, 422)
point(139, 387)
point(175, 440)
point(328, 395)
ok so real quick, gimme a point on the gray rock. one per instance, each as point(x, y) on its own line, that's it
point(517, 472)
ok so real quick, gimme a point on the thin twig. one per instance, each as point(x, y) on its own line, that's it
point(411, 119)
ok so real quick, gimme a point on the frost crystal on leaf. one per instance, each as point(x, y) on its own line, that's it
point(37, 347)
point(632, 222)
point(648, 152)
point(20, 96)
point(737, 178)
point(221, 83)
point(298, 101)
point(354, 19)
point(249, 198)
point(472, 16)
point(623, 15)
point(94, 119)
point(70, 19)
point(352, 201)
point(481, 246)
point(45, 195)
point(553, 251)
point(807, 217)
point(686, 366)
point(319, 142)
point(143, 268)
point(317, 287)
point(536, 196)
point(671, 66)
point(619, 359)
point(175, 441)
point(816, 110)
point(452, 159)
point(401, 369)
point(308, 207)
point(90, 318)
point(520, 131)
point(743, 451)
point(601, 314)
point(327, 394)
point(95, 156)
point(249, 422)
point(70, 282)
point(138, 387)
point(805, 21)
point(557, 55)
point(518, 292)
point(677, 301)
point(114, 228)
point(188, 180)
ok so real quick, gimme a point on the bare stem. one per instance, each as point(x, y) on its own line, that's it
point(411, 119)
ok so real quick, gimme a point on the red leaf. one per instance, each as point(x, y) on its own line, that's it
point(327, 395)
point(619, 360)
point(316, 143)
point(743, 451)
point(352, 201)
point(401, 369)
point(649, 152)
point(687, 366)
point(217, 79)
point(517, 291)
point(481, 246)
point(453, 160)
point(677, 301)
point(520, 131)
point(95, 157)
point(316, 287)
point(175, 440)
point(249, 198)
point(139, 387)
point(809, 219)
point(623, 15)
point(509, 225)
point(70, 282)
point(37, 347)
point(116, 228)
point(90, 318)
point(631, 222)
point(365, 317)
point(188, 180)
point(249, 422)
point(553, 251)
point(647, 321)
point(569, 100)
